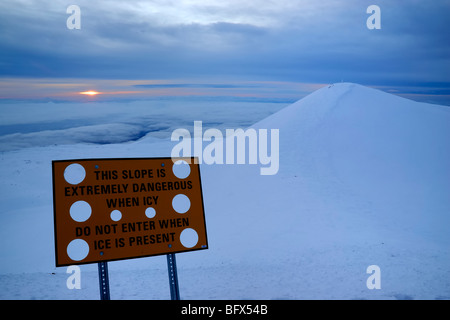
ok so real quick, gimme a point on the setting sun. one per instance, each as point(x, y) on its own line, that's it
point(90, 93)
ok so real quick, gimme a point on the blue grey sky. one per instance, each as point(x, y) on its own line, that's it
point(298, 44)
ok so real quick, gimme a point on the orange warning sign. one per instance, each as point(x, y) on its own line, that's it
point(113, 209)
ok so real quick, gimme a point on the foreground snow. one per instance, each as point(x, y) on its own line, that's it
point(363, 180)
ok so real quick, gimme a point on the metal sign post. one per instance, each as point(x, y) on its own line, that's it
point(104, 280)
point(173, 277)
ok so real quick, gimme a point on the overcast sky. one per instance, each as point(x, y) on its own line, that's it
point(292, 41)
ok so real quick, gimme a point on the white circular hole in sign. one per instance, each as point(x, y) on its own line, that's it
point(80, 211)
point(189, 237)
point(181, 203)
point(74, 173)
point(181, 169)
point(77, 249)
point(150, 212)
point(116, 215)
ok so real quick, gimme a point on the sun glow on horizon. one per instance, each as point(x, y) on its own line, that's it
point(90, 93)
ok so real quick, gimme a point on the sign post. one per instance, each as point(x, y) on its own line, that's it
point(115, 209)
point(173, 277)
point(104, 280)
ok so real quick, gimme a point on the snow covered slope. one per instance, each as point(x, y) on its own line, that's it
point(363, 180)
point(390, 152)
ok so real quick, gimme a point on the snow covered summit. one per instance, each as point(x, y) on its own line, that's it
point(363, 179)
point(381, 147)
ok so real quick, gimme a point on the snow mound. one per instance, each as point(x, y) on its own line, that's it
point(380, 147)
point(363, 180)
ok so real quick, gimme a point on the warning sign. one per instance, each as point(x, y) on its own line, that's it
point(112, 209)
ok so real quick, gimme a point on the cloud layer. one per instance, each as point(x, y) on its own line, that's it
point(325, 41)
point(42, 124)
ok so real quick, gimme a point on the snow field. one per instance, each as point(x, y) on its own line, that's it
point(363, 180)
